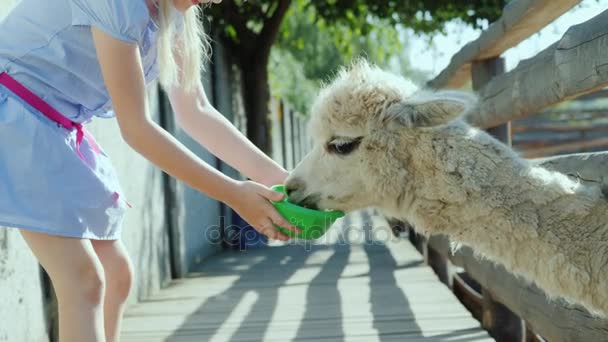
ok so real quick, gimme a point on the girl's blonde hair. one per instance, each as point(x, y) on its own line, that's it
point(193, 48)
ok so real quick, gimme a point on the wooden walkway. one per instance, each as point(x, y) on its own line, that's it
point(374, 288)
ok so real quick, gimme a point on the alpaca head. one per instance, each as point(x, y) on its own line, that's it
point(363, 126)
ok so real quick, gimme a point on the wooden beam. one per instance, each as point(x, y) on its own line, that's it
point(467, 295)
point(559, 128)
point(589, 167)
point(555, 320)
point(520, 20)
point(482, 73)
point(575, 65)
point(550, 150)
point(528, 145)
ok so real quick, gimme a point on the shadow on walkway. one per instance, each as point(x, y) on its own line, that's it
point(377, 308)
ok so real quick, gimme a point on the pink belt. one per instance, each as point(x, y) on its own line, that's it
point(50, 112)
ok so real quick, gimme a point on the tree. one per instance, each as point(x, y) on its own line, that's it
point(249, 29)
point(308, 52)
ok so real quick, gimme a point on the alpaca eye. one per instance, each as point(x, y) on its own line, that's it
point(343, 147)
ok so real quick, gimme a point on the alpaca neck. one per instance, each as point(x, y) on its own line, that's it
point(537, 223)
point(546, 228)
point(514, 207)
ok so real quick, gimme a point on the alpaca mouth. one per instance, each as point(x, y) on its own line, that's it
point(310, 202)
point(312, 206)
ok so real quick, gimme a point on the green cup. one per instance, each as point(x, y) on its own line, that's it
point(313, 223)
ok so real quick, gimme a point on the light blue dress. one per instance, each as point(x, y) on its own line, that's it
point(47, 46)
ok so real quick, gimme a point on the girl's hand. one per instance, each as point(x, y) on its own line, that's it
point(252, 202)
point(275, 177)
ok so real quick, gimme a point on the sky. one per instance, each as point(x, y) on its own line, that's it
point(435, 58)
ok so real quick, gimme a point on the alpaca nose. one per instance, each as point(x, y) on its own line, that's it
point(293, 185)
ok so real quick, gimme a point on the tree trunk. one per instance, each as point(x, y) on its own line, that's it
point(256, 96)
point(252, 53)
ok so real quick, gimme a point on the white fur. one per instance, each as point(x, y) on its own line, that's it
point(419, 162)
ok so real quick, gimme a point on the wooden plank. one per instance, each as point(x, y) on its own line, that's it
point(527, 300)
point(288, 131)
point(482, 73)
point(577, 145)
point(520, 20)
point(577, 64)
point(588, 167)
point(557, 128)
point(376, 289)
point(526, 145)
point(277, 123)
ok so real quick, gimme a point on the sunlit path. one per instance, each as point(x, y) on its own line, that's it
point(374, 288)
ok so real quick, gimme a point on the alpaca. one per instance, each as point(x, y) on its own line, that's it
point(380, 143)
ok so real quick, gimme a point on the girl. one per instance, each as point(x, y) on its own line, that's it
point(63, 62)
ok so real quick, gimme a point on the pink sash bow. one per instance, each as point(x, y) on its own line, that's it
point(50, 112)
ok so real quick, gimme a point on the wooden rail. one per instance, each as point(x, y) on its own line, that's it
point(289, 137)
point(588, 167)
point(571, 146)
point(572, 129)
point(560, 128)
point(554, 320)
point(575, 65)
point(509, 307)
point(520, 20)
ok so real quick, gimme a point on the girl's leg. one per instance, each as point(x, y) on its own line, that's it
point(119, 278)
point(78, 279)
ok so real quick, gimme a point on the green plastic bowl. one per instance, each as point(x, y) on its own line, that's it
point(313, 223)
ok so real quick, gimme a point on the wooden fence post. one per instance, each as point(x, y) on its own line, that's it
point(502, 324)
point(481, 73)
point(292, 130)
point(303, 137)
point(296, 138)
point(282, 129)
point(288, 131)
point(277, 131)
point(441, 266)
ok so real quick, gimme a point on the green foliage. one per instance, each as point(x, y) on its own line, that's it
point(315, 37)
point(241, 19)
point(314, 51)
point(324, 47)
point(419, 15)
point(288, 80)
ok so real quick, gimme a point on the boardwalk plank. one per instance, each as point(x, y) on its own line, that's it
point(374, 289)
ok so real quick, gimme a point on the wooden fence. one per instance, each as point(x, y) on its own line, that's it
point(510, 308)
point(290, 142)
point(577, 126)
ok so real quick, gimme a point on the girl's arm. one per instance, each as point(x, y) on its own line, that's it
point(197, 117)
point(121, 67)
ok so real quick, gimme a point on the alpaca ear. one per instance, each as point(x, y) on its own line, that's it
point(428, 109)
